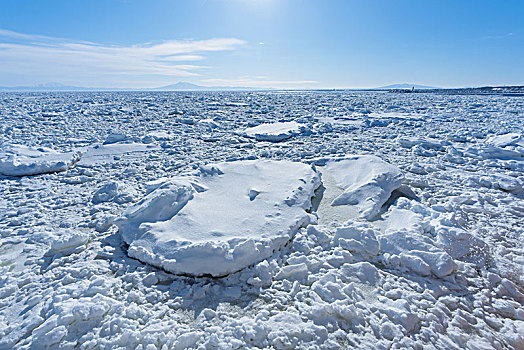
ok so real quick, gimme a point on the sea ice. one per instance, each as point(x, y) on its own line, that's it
point(107, 153)
point(114, 138)
point(428, 143)
point(20, 160)
point(226, 217)
point(114, 191)
point(274, 132)
point(442, 271)
point(509, 139)
point(367, 181)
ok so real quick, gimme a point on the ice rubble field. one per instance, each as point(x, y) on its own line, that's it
point(282, 220)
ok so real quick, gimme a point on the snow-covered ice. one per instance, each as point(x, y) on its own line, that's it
point(20, 160)
point(508, 139)
point(227, 217)
point(367, 182)
point(274, 132)
point(151, 220)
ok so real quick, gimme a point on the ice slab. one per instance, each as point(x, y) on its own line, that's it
point(510, 139)
point(222, 219)
point(20, 160)
point(426, 142)
point(494, 152)
point(273, 132)
point(106, 153)
point(367, 182)
point(349, 120)
point(114, 138)
point(448, 235)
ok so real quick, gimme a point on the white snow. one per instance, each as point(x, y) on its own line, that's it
point(231, 215)
point(274, 132)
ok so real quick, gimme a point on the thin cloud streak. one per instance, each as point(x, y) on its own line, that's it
point(56, 58)
point(261, 83)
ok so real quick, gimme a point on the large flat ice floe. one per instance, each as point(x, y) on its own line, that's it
point(273, 132)
point(20, 160)
point(225, 218)
point(366, 181)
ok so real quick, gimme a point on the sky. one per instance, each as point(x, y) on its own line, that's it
point(262, 43)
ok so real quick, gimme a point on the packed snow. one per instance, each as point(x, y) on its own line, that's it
point(367, 220)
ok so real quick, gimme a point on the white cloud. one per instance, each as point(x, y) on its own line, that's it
point(67, 60)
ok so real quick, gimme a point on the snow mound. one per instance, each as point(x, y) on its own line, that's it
point(222, 219)
point(273, 132)
point(367, 181)
point(20, 160)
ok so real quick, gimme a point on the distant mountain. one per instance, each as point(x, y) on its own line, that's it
point(180, 86)
point(185, 86)
point(45, 87)
point(405, 86)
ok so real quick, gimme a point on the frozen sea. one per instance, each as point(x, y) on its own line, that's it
point(278, 220)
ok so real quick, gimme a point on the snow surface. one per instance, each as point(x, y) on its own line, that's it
point(438, 268)
point(229, 216)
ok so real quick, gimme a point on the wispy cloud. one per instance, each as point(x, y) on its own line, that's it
point(501, 36)
point(69, 60)
point(261, 82)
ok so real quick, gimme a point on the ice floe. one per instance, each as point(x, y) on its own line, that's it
point(367, 182)
point(227, 217)
point(108, 153)
point(20, 160)
point(274, 132)
point(510, 139)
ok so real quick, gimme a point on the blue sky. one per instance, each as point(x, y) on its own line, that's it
point(262, 43)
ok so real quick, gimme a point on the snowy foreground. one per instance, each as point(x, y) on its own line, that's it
point(315, 220)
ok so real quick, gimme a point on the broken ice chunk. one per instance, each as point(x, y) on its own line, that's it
point(367, 181)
